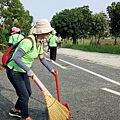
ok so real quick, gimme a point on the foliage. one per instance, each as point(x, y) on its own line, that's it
point(79, 23)
point(99, 26)
point(72, 23)
point(13, 14)
point(114, 15)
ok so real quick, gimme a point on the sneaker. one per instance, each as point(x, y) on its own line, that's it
point(15, 114)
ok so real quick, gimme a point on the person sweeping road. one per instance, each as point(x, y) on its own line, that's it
point(19, 68)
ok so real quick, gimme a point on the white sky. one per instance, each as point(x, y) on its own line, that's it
point(47, 8)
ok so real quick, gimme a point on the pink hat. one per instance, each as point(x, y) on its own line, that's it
point(15, 30)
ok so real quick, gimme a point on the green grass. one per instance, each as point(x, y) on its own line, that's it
point(113, 49)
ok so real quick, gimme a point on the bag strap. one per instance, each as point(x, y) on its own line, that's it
point(18, 36)
point(12, 37)
point(15, 46)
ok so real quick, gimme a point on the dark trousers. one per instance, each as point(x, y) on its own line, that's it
point(53, 52)
point(21, 83)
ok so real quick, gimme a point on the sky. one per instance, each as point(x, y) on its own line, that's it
point(47, 8)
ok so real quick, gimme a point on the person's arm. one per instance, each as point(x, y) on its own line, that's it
point(20, 63)
point(57, 40)
point(45, 63)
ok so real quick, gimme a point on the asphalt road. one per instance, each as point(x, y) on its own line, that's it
point(91, 90)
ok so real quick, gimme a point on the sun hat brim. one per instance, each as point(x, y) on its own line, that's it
point(54, 32)
point(43, 26)
point(43, 31)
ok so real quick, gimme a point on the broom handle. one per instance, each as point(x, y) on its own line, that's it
point(57, 85)
point(40, 85)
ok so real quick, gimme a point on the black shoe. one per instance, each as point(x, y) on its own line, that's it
point(15, 114)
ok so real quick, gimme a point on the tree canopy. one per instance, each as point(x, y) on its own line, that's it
point(82, 23)
point(13, 14)
point(79, 23)
point(114, 15)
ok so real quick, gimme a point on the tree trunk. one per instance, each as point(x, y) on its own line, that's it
point(115, 42)
point(74, 40)
point(95, 40)
point(91, 40)
point(98, 42)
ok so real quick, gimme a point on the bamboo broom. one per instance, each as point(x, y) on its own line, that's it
point(56, 110)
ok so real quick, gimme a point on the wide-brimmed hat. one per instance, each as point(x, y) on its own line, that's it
point(42, 26)
point(54, 32)
point(15, 30)
point(32, 30)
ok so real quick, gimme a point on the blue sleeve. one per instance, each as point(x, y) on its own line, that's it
point(19, 62)
point(45, 63)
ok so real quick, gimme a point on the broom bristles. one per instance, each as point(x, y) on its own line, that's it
point(56, 110)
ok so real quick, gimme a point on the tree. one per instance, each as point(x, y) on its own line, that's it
point(114, 15)
point(13, 14)
point(72, 23)
point(98, 25)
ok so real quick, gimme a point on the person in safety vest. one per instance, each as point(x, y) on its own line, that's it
point(19, 68)
point(53, 41)
point(15, 36)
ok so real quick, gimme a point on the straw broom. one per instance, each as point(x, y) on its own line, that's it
point(56, 110)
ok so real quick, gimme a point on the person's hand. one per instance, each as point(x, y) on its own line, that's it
point(53, 72)
point(30, 74)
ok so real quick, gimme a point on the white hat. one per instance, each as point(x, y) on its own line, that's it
point(43, 26)
point(32, 30)
point(54, 32)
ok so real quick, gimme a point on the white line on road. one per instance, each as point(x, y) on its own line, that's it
point(46, 53)
point(98, 75)
point(56, 63)
point(111, 91)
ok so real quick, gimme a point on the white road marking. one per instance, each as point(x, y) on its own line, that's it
point(46, 53)
point(56, 63)
point(111, 91)
point(98, 75)
point(47, 59)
